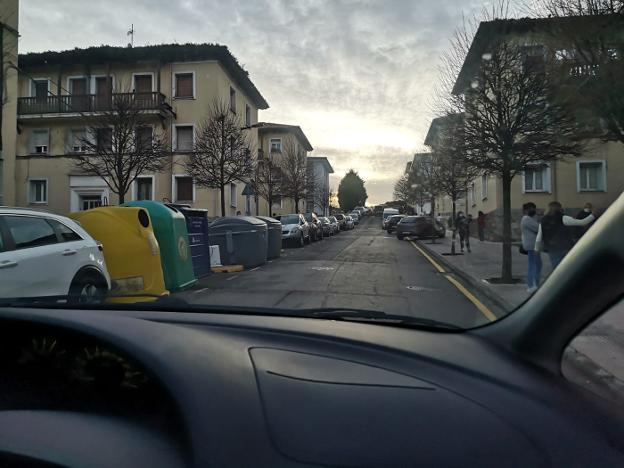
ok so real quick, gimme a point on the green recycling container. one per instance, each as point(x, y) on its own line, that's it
point(170, 231)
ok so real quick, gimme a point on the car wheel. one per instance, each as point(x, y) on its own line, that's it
point(87, 288)
point(301, 241)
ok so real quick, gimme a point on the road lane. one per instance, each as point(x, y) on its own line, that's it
point(364, 268)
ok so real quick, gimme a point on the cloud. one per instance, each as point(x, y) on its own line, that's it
point(357, 76)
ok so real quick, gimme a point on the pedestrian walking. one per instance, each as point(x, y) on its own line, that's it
point(481, 225)
point(554, 235)
point(529, 227)
point(463, 227)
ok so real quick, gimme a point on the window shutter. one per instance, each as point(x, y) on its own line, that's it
point(184, 188)
point(184, 138)
point(143, 83)
point(184, 85)
point(39, 141)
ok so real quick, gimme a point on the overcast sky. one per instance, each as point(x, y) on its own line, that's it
point(356, 75)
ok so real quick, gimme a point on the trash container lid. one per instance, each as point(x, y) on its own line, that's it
point(188, 211)
point(156, 209)
point(237, 221)
point(269, 220)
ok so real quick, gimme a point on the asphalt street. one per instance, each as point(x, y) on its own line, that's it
point(364, 268)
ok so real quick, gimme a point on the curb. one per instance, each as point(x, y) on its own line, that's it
point(501, 306)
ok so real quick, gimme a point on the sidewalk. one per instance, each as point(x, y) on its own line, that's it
point(594, 359)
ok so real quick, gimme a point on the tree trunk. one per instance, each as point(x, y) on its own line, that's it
point(506, 267)
point(222, 190)
point(433, 239)
point(297, 205)
point(122, 198)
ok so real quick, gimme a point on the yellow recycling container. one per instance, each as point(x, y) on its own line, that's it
point(131, 251)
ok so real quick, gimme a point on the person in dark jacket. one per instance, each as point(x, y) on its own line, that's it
point(584, 213)
point(463, 227)
point(554, 234)
point(481, 225)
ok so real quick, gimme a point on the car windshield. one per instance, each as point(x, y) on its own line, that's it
point(460, 151)
point(290, 219)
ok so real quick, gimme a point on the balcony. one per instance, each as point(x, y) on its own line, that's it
point(90, 104)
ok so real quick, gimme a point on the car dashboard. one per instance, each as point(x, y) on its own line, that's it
point(108, 388)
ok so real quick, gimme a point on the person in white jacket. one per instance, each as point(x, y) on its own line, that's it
point(554, 235)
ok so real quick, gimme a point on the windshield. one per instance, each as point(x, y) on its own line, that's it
point(472, 147)
point(290, 219)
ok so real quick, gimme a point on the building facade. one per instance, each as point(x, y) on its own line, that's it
point(319, 169)
point(277, 142)
point(174, 85)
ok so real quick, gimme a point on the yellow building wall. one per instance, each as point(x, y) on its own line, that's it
point(9, 15)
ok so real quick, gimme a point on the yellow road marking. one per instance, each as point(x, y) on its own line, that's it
point(428, 257)
point(460, 287)
point(477, 303)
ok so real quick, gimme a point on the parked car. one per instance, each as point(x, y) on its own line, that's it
point(419, 226)
point(316, 231)
point(342, 221)
point(392, 222)
point(334, 224)
point(350, 224)
point(386, 213)
point(356, 217)
point(295, 229)
point(326, 227)
point(43, 254)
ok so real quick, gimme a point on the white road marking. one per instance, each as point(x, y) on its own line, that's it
point(200, 290)
point(231, 278)
point(254, 269)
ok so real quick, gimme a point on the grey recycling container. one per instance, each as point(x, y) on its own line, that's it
point(242, 240)
point(274, 237)
point(197, 227)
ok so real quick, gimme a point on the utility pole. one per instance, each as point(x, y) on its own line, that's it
point(131, 34)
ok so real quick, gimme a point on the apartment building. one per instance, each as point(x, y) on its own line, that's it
point(277, 141)
point(319, 169)
point(9, 17)
point(174, 85)
point(597, 176)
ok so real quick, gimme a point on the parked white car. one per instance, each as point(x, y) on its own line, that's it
point(47, 255)
point(295, 229)
point(356, 217)
point(349, 222)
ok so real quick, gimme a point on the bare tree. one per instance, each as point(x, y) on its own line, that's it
point(512, 123)
point(222, 151)
point(405, 190)
point(120, 146)
point(268, 180)
point(451, 170)
point(423, 181)
point(556, 8)
point(294, 171)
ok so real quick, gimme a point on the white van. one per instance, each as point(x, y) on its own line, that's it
point(387, 212)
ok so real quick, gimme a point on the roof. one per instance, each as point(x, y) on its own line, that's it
point(438, 123)
point(323, 160)
point(163, 53)
point(489, 31)
point(266, 127)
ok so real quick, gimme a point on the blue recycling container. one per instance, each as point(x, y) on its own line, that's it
point(197, 226)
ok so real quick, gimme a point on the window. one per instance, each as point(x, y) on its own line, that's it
point(232, 99)
point(77, 143)
point(184, 138)
point(143, 83)
point(537, 179)
point(184, 86)
point(247, 115)
point(248, 205)
point(39, 89)
point(38, 191)
point(144, 137)
point(233, 195)
point(276, 145)
point(472, 199)
point(30, 232)
point(144, 188)
point(184, 188)
point(591, 176)
point(104, 138)
point(484, 187)
point(66, 233)
point(39, 141)
point(90, 201)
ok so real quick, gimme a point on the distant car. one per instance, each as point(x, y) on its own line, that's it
point(43, 254)
point(419, 226)
point(316, 231)
point(392, 222)
point(295, 229)
point(335, 224)
point(360, 210)
point(356, 217)
point(326, 227)
point(350, 224)
point(386, 213)
point(342, 221)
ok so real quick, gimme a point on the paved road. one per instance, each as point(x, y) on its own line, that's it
point(364, 268)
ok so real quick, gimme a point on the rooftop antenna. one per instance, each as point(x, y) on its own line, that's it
point(131, 34)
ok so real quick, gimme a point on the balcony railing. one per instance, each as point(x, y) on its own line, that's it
point(89, 103)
